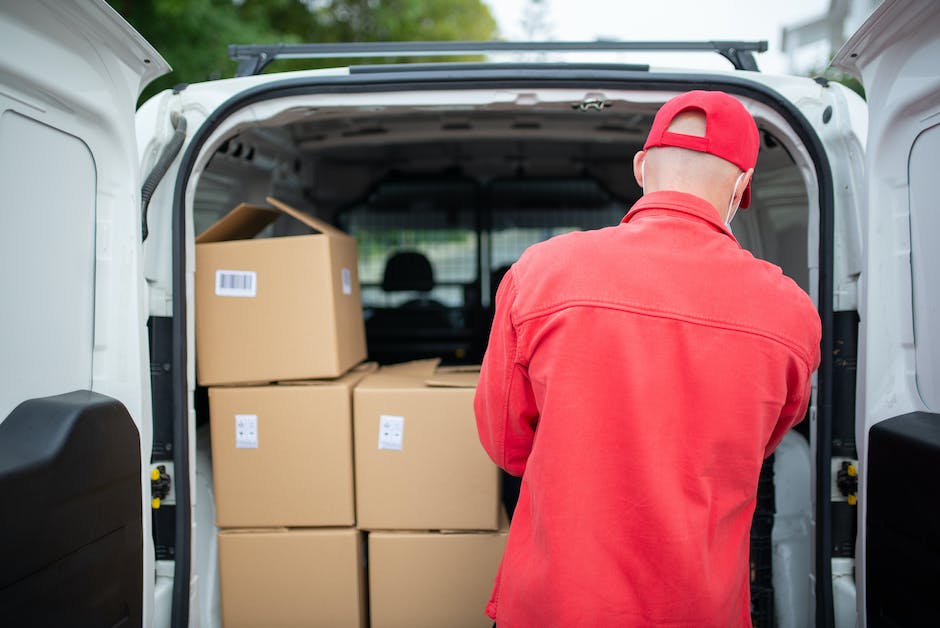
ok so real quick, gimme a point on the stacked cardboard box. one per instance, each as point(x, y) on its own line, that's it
point(282, 454)
point(429, 496)
point(268, 310)
point(278, 333)
point(432, 578)
point(301, 577)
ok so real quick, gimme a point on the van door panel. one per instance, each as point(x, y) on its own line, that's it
point(47, 246)
point(71, 524)
point(903, 520)
point(925, 259)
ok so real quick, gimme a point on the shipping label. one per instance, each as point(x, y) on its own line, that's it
point(391, 432)
point(246, 431)
point(236, 283)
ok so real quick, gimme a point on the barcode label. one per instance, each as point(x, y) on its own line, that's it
point(347, 281)
point(236, 283)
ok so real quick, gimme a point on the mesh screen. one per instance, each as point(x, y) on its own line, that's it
point(435, 218)
point(442, 219)
point(526, 212)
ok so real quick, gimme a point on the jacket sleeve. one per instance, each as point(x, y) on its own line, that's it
point(799, 389)
point(504, 404)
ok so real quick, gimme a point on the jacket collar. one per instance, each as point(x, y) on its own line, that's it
point(667, 202)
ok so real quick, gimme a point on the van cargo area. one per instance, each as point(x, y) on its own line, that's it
point(468, 188)
point(441, 197)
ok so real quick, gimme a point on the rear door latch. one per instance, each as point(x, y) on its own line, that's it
point(589, 103)
point(159, 485)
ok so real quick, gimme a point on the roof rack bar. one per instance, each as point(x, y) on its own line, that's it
point(253, 59)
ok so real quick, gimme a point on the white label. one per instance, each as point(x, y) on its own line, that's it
point(391, 429)
point(347, 281)
point(236, 283)
point(246, 431)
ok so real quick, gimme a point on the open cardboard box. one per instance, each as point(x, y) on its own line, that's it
point(279, 308)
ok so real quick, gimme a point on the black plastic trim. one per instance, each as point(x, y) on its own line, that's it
point(252, 59)
point(71, 525)
point(153, 179)
point(557, 77)
point(903, 516)
point(179, 370)
point(845, 371)
point(160, 336)
point(475, 66)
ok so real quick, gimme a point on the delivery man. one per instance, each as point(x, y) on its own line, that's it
point(636, 378)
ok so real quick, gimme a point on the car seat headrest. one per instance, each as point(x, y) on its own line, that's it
point(408, 270)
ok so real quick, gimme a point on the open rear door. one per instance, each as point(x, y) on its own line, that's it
point(896, 54)
point(75, 396)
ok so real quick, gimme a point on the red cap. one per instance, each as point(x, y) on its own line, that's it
point(730, 131)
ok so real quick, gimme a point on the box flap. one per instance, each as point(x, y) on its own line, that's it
point(407, 375)
point(416, 368)
point(314, 223)
point(350, 378)
point(502, 531)
point(458, 378)
point(463, 368)
point(246, 221)
point(238, 531)
point(242, 223)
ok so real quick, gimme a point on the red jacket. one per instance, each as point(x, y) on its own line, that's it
point(636, 377)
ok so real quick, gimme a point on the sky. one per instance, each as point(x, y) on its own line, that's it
point(687, 20)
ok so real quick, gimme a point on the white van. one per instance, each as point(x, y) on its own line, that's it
point(99, 408)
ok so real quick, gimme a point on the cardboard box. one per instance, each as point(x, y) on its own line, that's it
point(419, 462)
point(427, 579)
point(292, 578)
point(275, 308)
point(282, 455)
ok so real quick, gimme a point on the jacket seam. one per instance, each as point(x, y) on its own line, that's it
point(510, 373)
point(670, 314)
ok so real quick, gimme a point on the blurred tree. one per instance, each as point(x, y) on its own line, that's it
point(831, 74)
point(400, 20)
point(536, 23)
point(193, 35)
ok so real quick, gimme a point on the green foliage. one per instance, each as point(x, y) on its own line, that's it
point(838, 76)
point(400, 20)
point(849, 81)
point(193, 35)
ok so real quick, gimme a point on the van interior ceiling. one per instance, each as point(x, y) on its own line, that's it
point(467, 190)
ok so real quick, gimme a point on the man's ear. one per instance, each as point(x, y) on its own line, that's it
point(638, 160)
point(744, 183)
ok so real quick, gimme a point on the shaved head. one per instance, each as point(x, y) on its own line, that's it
point(684, 170)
